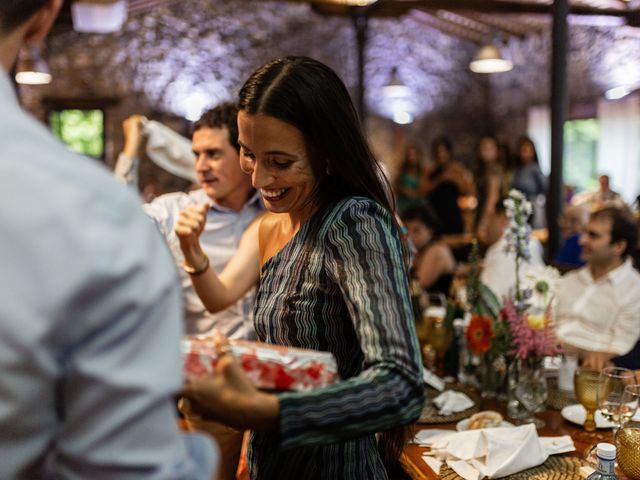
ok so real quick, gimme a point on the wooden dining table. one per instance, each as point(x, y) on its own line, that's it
point(555, 425)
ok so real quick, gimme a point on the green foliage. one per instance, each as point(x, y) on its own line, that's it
point(581, 152)
point(81, 130)
point(483, 301)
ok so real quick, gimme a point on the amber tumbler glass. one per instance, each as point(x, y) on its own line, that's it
point(628, 450)
point(586, 384)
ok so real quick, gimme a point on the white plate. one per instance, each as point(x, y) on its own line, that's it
point(577, 414)
point(463, 425)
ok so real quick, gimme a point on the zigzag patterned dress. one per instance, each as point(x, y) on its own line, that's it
point(340, 285)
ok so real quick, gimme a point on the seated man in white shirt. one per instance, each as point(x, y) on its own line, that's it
point(90, 311)
point(499, 266)
point(597, 309)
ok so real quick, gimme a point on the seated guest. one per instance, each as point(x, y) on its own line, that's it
point(630, 359)
point(572, 221)
point(434, 263)
point(598, 306)
point(603, 197)
point(499, 266)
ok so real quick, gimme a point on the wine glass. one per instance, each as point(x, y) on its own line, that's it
point(615, 402)
point(440, 336)
point(531, 391)
point(586, 385)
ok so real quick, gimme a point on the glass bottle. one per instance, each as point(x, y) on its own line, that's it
point(606, 463)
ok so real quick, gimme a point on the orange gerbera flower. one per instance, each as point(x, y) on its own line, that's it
point(479, 333)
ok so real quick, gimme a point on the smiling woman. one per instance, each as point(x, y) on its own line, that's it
point(333, 277)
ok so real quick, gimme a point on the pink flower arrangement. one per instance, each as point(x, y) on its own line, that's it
point(529, 337)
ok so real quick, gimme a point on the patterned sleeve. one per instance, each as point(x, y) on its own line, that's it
point(365, 258)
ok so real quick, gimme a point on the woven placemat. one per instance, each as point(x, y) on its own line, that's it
point(430, 412)
point(557, 399)
point(555, 468)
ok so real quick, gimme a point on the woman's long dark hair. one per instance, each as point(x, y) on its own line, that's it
point(311, 97)
point(522, 141)
point(481, 165)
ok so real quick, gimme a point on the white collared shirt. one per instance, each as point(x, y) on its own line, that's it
point(219, 240)
point(599, 315)
point(499, 266)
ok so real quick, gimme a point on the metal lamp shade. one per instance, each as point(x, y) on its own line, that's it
point(31, 68)
point(490, 60)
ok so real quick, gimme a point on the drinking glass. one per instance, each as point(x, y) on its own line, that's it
point(440, 336)
point(531, 390)
point(586, 385)
point(628, 448)
point(615, 402)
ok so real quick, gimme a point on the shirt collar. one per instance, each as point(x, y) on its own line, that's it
point(255, 200)
point(7, 92)
point(615, 276)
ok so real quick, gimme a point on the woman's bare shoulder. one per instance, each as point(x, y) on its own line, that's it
point(269, 221)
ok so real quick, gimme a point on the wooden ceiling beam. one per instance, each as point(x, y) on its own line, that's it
point(464, 21)
point(511, 27)
point(400, 7)
point(430, 20)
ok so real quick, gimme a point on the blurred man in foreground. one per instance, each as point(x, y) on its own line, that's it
point(90, 320)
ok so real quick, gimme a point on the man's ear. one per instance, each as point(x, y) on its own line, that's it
point(619, 247)
point(40, 23)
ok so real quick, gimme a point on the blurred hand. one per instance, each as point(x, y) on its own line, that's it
point(229, 395)
point(596, 360)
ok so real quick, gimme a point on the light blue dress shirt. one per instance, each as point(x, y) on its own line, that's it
point(90, 321)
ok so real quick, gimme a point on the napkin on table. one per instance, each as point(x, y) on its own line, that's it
point(452, 402)
point(491, 452)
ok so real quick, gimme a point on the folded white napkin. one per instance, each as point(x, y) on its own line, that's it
point(432, 379)
point(490, 452)
point(452, 402)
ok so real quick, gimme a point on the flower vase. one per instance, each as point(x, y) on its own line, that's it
point(531, 389)
point(515, 410)
point(493, 376)
point(468, 362)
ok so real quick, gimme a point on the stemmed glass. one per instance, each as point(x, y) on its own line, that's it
point(439, 336)
point(586, 386)
point(615, 402)
point(531, 390)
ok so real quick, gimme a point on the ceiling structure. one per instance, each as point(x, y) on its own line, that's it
point(476, 21)
point(166, 49)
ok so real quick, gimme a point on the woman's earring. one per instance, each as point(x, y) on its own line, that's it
point(328, 170)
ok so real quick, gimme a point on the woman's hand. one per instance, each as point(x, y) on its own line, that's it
point(188, 228)
point(230, 397)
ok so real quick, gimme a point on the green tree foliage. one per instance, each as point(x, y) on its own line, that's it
point(580, 153)
point(81, 130)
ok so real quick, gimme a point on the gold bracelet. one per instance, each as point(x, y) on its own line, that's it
point(196, 271)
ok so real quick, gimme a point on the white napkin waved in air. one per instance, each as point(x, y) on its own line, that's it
point(452, 402)
point(170, 150)
point(490, 452)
